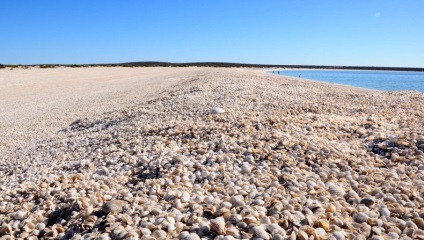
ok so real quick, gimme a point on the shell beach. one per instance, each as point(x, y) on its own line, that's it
point(225, 153)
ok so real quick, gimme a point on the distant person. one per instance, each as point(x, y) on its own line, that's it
point(299, 75)
point(278, 72)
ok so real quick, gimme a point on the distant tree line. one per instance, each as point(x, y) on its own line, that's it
point(215, 64)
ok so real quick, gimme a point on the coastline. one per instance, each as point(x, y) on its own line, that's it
point(213, 153)
point(386, 83)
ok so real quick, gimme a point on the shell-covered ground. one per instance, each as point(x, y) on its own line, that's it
point(288, 159)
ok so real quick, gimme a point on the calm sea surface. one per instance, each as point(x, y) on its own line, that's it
point(380, 80)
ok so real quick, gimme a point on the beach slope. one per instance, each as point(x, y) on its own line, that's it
point(216, 153)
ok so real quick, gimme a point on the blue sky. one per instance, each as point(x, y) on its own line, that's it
point(329, 32)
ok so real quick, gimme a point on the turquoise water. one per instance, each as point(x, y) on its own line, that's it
point(380, 80)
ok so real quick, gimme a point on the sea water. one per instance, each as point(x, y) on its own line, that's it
point(379, 80)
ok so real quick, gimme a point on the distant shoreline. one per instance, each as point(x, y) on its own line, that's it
point(216, 64)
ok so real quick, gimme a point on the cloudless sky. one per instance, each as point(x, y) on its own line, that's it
point(327, 32)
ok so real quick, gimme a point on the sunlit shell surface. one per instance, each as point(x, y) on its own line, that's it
point(286, 159)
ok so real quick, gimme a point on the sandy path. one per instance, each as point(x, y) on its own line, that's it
point(35, 102)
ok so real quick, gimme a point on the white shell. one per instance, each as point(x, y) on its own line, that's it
point(191, 236)
point(217, 110)
point(218, 225)
point(260, 232)
point(335, 190)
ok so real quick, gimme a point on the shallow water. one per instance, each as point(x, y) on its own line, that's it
point(379, 80)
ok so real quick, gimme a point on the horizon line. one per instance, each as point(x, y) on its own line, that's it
point(218, 64)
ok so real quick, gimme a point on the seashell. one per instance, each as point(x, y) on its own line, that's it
point(35, 232)
point(209, 199)
point(265, 220)
point(250, 220)
point(311, 184)
point(159, 234)
point(82, 203)
point(145, 231)
point(273, 228)
point(29, 227)
point(24, 235)
point(320, 231)
point(278, 237)
point(89, 222)
point(331, 208)
point(156, 211)
point(159, 220)
point(132, 235)
point(183, 234)
point(242, 225)
point(236, 201)
point(226, 205)
point(193, 219)
point(367, 201)
point(335, 190)
point(191, 236)
point(338, 235)
point(394, 229)
point(233, 231)
point(302, 235)
point(218, 225)
point(393, 235)
point(50, 233)
point(354, 226)
point(361, 217)
point(20, 215)
point(372, 221)
point(209, 211)
point(336, 221)
point(310, 220)
point(324, 224)
point(295, 220)
point(40, 226)
point(377, 230)
point(419, 222)
point(16, 225)
point(185, 197)
point(104, 236)
point(260, 232)
point(419, 234)
point(300, 215)
point(145, 212)
point(39, 217)
point(385, 212)
point(204, 228)
point(119, 233)
point(5, 229)
point(408, 231)
point(125, 218)
point(58, 228)
point(217, 110)
point(222, 211)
